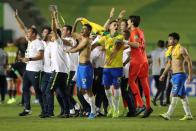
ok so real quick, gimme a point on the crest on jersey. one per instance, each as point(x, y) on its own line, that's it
point(136, 37)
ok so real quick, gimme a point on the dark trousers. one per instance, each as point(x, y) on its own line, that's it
point(3, 85)
point(124, 84)
point(162, 86)
point(157, 82)
point(166, 92)
point(58, 83)
point(159, 85)
point(99, 90)
point(127, 95)
point(85, 106)
point(31, 78)
point(47, 94)
point(70, 85)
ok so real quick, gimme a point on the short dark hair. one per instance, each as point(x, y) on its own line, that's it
point(58, 32)
point(175, 35)
point(69, 27)
point(34, 30)
point(160, 43)
point(89, 27)
point(47, 28)
point(135, 19)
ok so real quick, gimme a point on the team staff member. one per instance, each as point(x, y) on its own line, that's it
point(33, 58)
point(60, 70)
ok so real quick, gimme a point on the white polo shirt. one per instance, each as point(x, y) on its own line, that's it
point(73, 61)
point(73, 57)
point(47, 57)
point(59, 57)
point(33, 49)
point(126, 53)
point(97, 57)
point(155, 54)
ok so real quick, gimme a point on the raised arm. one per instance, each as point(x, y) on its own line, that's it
point(74, 34)
point(54, 28)
point(189, 62)
point(58, 24)
point(20, 22)
point(120, 16)
point(109, 19)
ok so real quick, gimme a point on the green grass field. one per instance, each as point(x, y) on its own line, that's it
point(1, 15)
point(10, 121)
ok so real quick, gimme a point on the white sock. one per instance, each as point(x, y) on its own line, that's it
point(72, 111)
point(77, 106)
point(186, 107)
point(116, 99)
point(86, 97)
point(109, 97)
point(97, 109)
point(92, 104)
point(172, 106)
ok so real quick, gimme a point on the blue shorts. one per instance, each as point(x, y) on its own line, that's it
point(84, 76)
point(112, 76)
point(178, 82)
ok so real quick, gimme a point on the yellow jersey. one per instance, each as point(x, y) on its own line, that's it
point(109, 43)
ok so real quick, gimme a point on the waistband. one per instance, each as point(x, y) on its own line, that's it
point(180, 73)
point(86, 63)
point(60, 73)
